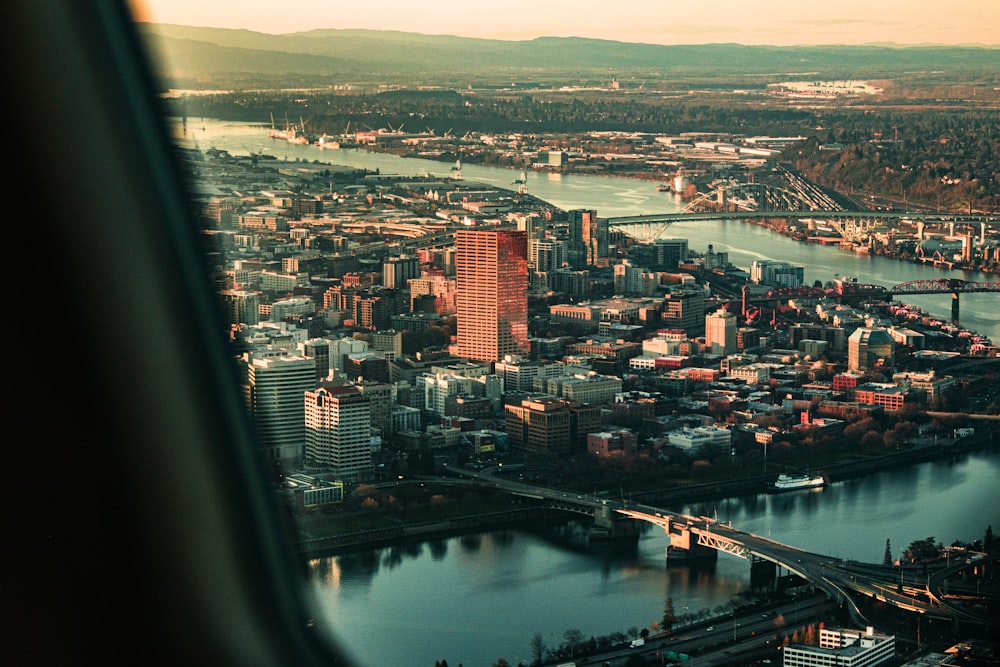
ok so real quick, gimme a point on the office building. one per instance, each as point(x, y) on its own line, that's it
point(701, 439)
point(551, 425)
point(381, 400)
point(338, 432)
point(491, 270)
point(241, 306)
point(366, 366)
point(374, 311)
point(869, 348)
point(933, 386)
point(635, 280)
point(548, 254)
point(584, 236)
point(519, 374)
point(609, 443)
point(776, 274)
point(843, 648)
point(275, 387)
point(318, 349)
point(396, 271)
point(291, 308)
point(573, 283)
point(720, 331)
point(389, 342)
point(661, 255)
point(683, 308)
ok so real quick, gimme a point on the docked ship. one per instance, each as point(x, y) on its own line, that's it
point(796, 482)
point(291, 133)
point(326, 141)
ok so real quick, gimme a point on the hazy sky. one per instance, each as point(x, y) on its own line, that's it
point(777, 22)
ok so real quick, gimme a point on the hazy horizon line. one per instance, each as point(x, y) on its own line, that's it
point(883, 44)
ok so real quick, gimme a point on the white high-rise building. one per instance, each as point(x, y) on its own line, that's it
point(341, 348)
point(720, 331)
point(338, 432)
point(548, 254)
point(275, 389)
point(778, 274)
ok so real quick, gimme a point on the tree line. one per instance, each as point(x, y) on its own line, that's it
point(943, 157)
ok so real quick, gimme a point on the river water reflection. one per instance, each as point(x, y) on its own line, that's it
point(473, 599)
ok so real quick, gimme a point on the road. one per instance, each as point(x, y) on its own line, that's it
point(750, 634)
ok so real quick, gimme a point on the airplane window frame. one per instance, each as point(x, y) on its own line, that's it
point(151, 533)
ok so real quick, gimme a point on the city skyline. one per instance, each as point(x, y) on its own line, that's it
point(727, 21)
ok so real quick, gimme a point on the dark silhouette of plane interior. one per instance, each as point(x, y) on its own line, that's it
point(141, 528)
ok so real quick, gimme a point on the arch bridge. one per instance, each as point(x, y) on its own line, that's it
point(912, 589)
point(649, 227)
point(851, 292)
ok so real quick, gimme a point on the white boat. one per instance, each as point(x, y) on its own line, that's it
point(786, 482)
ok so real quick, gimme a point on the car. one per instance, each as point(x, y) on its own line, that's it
point(710, 628)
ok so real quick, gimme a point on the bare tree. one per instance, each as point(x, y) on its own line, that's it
point(537, 647)
point(573, 639)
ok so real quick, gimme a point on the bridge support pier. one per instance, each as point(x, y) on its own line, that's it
point(763, 574)
point(954, 308)
point(684, 547)
point(614, 528)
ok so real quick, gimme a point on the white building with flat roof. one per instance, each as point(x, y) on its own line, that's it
point(700, 438)
point(840, 647)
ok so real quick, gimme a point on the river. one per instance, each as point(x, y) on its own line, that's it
point(613, 197)
point(472, 599)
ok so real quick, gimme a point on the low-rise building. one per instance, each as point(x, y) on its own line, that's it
point(700, 438)
point(932, 385)
point(551, 425)
point(843, 648)
point(609, 443)
point(889, 396)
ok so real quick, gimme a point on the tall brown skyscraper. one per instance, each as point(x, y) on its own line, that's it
point(491, 270)
point(588, 238)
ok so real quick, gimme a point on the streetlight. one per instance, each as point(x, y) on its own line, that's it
point(901, 552)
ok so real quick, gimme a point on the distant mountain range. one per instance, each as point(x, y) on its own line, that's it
point(214, 54)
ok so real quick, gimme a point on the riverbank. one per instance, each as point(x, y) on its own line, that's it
point(396, 531)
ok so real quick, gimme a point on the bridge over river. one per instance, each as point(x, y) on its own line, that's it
point(915, 588)
point(848, 224)
point(852, 292)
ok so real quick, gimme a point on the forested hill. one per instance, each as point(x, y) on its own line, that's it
point(216, 54)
